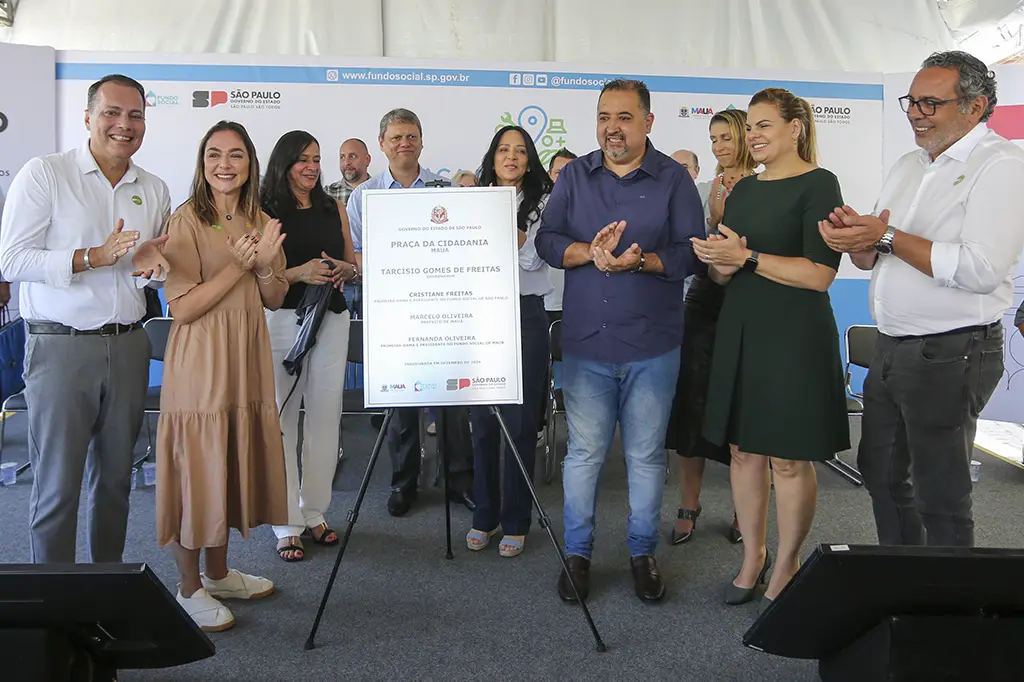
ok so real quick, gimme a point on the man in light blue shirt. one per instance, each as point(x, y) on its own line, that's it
point(401, 140)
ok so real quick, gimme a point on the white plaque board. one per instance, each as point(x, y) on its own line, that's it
point(441, 297)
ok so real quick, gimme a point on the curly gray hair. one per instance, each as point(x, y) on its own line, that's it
point(976, 80)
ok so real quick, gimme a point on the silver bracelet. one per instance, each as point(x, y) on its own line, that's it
point(88, 265)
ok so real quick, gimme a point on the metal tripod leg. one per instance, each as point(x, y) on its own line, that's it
point(352, 516)
point(545, 523)
point(442, 455)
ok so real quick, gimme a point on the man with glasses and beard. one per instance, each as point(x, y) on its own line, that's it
point(942, 248)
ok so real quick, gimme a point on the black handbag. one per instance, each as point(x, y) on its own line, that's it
point(12, 354)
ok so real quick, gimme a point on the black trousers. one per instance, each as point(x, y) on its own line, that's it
point(501, 494)
point(404, 448)
point(922, 398)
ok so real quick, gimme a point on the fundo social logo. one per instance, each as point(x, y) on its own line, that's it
point(155, 100)
point(548, 133)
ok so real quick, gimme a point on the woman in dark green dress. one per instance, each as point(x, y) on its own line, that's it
point(776, 393)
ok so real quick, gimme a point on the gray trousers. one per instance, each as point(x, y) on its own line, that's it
point(86, 395)
point(922, 398)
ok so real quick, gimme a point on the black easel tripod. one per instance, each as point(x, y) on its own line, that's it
point(542, 518)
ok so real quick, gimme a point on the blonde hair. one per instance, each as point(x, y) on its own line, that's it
point(458, 176)
point(792, 108)
point(736, 119)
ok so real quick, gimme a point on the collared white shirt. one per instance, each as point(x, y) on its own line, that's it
point(533, 271)
point(62, 202)
point(970, 203)
point(383, 180)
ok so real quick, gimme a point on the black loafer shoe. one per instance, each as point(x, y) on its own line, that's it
point(646, 578)
point(401, 501)
point(580, 570)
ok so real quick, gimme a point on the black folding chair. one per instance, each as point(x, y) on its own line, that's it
point(555, 402)
point(860, 349)
point(14, 403)
point(157, 329)
point(352, 398)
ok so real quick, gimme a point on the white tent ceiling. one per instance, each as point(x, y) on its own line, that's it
point(860, 35)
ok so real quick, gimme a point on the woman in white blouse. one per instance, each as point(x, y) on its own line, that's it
point(502, 498)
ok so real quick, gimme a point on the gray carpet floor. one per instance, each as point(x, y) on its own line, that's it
point(401, 611)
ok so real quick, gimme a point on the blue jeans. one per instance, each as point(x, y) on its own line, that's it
point(637, 395)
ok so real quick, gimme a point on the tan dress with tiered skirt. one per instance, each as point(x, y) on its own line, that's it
point(220, 457)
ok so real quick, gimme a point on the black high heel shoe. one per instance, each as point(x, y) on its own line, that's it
point(736, 595)
point(685, 515)
point(734, 534)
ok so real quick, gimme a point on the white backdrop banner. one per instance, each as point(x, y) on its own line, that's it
point(27, 113)
point(460, 104)
point(1007, 403)
point(441, 295)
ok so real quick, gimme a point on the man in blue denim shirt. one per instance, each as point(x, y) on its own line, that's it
point(619, 222)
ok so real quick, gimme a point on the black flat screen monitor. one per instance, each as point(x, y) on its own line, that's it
point(121, 613)
point(842, 591)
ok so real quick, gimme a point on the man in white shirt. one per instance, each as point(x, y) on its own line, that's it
point(401, 140)
point(942, 250)
point(70, 221)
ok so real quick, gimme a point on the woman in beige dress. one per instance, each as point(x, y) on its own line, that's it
point(222, 458)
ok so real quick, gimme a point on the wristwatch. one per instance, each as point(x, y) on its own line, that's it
point(884, 245)
point(640, 265)
point(751, 263)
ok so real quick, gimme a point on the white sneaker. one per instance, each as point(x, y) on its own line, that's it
point(238, 585)
point(208, 613)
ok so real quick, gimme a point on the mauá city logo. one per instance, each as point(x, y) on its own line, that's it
point(547, 133)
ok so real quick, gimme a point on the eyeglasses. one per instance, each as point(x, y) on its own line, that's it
point(926, 106)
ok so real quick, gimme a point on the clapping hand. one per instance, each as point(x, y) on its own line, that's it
point(605, 242)
point(607, 237)
point(244, 251)
point(268, 245)
point(117, 245)
point(716, 204)
point(846, 231)
point(726, 252)
point(149, 259)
